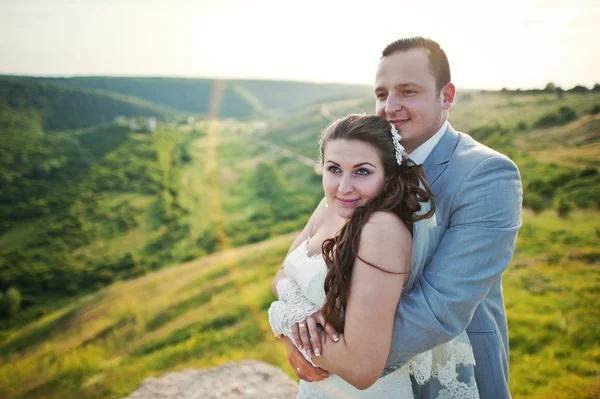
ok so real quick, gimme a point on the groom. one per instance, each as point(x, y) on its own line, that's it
point(478, 212)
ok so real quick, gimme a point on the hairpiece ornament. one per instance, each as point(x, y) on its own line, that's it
point(400, 152)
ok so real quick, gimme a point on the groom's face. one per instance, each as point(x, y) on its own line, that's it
point(407, 96)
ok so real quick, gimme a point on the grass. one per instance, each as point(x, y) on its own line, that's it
point(551, 292)
point(213, 310)
point(192, 314)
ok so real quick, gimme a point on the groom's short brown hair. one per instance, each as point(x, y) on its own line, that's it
point(440, 68)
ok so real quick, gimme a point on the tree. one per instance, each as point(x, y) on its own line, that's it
point(534, 201)
point(550, 87)
point(12, 301)
point(272, 190)
point(563, 207)
point(549, 119)
point(567, 114)
point(270, 184)
point(579, 89)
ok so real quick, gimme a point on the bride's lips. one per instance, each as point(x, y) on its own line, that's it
point(347, 203)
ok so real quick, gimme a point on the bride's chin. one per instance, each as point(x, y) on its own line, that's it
point(345, 215)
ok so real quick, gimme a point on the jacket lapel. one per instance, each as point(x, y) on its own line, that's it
point(439, 157)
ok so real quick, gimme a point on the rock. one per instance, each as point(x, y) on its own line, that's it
point(245, 379)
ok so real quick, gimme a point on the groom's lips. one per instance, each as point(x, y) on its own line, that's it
point(398, 122)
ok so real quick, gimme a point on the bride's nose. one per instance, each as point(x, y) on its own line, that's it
point(345, 186)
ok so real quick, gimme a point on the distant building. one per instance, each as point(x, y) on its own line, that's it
point(261, 125)
point(151, 123)
point(139, 123)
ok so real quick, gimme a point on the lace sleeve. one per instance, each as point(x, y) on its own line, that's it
point(291, 308)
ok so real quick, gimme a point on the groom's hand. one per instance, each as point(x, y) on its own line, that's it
point(303, 369)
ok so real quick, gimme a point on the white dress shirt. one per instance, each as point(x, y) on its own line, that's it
point(420, 154)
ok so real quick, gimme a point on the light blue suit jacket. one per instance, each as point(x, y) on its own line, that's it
point(478, 202)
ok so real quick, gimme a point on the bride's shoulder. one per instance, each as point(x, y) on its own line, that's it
point(382, 222)
point(385, 241)
point(385, 229)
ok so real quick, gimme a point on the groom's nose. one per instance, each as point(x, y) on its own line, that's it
point(392, 105)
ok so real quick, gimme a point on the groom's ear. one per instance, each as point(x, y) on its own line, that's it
point(448, 92)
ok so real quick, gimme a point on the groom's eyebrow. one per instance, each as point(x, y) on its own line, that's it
point(398, 86)
point(407, 84)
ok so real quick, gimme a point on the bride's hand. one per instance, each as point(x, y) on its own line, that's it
point(307, 332)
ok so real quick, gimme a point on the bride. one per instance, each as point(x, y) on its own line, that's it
point(347, 270)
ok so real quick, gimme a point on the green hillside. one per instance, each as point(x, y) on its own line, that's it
point(286, 96)
point(185, 95)
point(61, 107)
point(83, 208)
point(213, 310)
point(239, 98)
point(94, 222)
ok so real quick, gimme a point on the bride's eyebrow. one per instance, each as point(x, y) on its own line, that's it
point(355, 166)
point(364, 163)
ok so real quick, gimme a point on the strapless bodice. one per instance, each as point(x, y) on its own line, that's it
point(308, 271)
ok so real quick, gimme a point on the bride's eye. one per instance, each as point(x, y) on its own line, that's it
point(363, 172)
point(333, 169)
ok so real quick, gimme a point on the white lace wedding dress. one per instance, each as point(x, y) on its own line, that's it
point(441, 373)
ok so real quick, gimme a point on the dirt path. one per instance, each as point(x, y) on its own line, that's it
point(286, 153)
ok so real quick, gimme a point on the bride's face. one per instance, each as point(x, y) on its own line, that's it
point(352, 175)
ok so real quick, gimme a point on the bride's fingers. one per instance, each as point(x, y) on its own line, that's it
point(296, 336)
point(314, 335)
point(304, 336)
point(331, 332)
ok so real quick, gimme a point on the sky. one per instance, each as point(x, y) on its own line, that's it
point(490, 45)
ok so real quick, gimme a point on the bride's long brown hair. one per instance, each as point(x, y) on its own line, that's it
point(404, 190)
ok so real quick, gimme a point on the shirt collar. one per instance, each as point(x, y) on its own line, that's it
point(420, 154)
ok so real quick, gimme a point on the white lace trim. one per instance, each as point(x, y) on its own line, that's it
point(291, 308)
point(442, 363)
